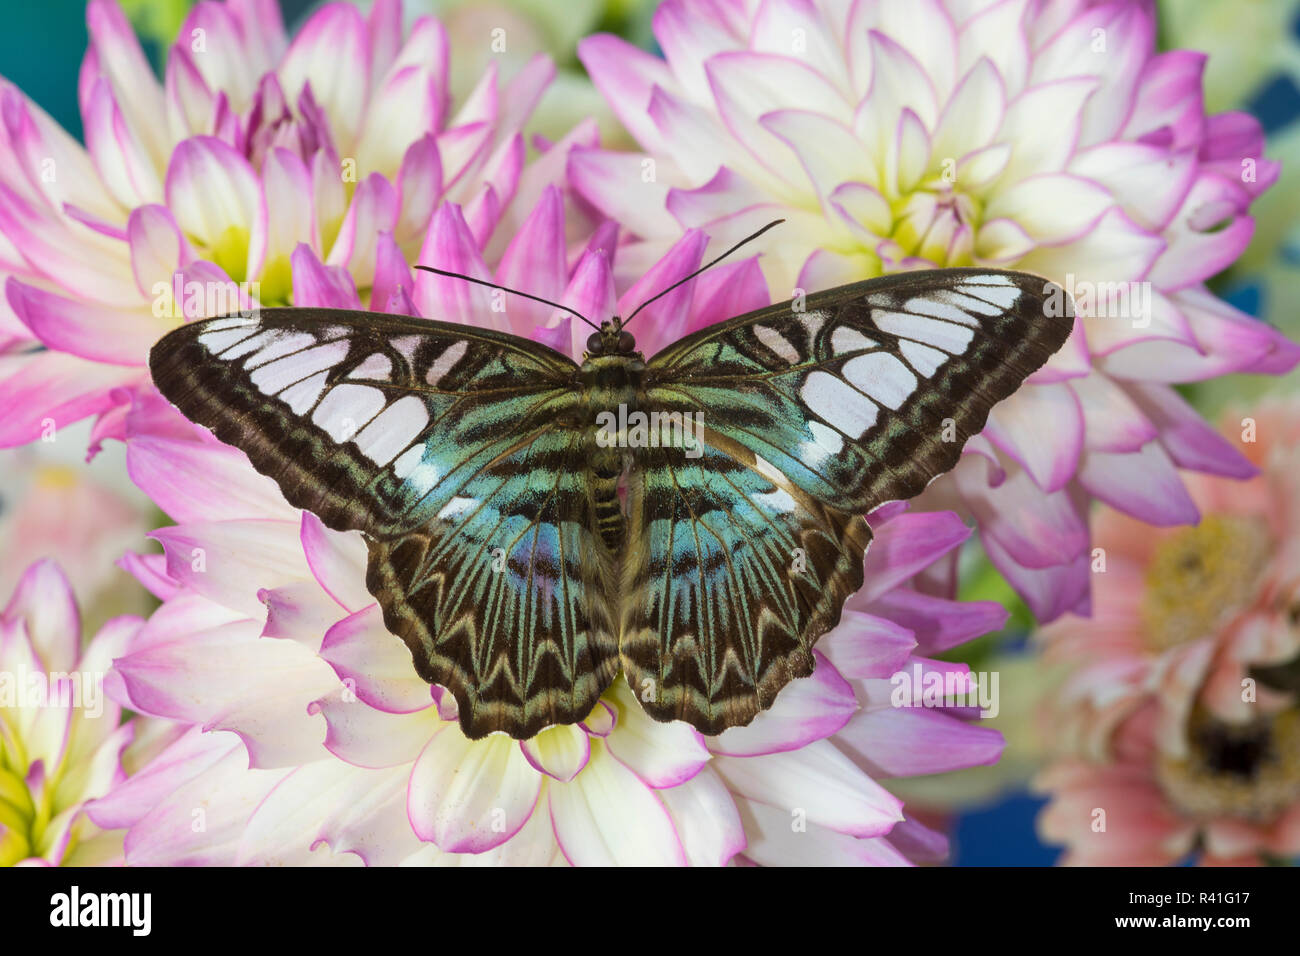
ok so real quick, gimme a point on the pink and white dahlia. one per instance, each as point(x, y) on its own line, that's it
point(1048, 137)
point(260, 170)
point(312, 739)
point(61, 737)
point(1178, 711)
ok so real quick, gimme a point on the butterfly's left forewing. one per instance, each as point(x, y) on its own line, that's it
point(811, 417)
point(461, 455)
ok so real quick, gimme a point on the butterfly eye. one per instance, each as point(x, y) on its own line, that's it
point(593, 343)
point(626, 343)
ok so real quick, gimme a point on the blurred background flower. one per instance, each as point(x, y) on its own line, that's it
point(1173, 725)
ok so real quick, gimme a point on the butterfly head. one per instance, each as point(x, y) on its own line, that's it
point(611, 340)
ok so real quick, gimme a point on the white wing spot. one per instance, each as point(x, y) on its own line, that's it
point(969, 303)
point(346, 408)
point(281, 344)
point(302, 396)
point(812, 323)
point(989, 278)
point(946, 310)
point(882, 376)
point(839, 404)
point(223, 335)
point(953, 339)
point(444, 362)
point(1003, 296)
point(248, 345)
point(275, 377)
point(378, 367)
point(407, 344)
point(395, 428)
point(457, 506)
point(777, 342)
point(826, 443)
point(923, 358)
point(845, 339)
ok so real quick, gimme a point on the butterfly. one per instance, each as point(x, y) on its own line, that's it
point(694, 520)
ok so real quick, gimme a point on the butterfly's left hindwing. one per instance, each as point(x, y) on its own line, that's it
point(461, 455)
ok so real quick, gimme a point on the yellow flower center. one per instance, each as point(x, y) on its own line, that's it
point(1201, 577)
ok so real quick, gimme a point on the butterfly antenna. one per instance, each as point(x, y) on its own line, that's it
point(707, 265)
point(493, 285)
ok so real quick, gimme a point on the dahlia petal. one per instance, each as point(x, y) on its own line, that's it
point(47, 390)
point(706, 818)
point(366, 737)
point(1207, 233)
point(338, 560)
point(608, 817)
point(972, 116)
point(467, 796)
point(214, 195)
point(535, 260)
point(864, 645)
point(829, 152)
point(1143, 484)
point(188, 756)
point(1170, 99)
point(1043, 428)
point(1072, 360)
point(1150, 183)
point(120, 159)
point(1115, 423)
point(1190, 442)
point(118, 57)
point(419, 187)
point(904, 546)
point(167, 835)
point(617, 185)
point(1039, 529)
point(747, 85)
point(328, 801)
point(818, 780)
point(320, 285)
point(80, 260)
point(291, 215)
point(150, 571)
point(157, 247)
point(910, 741)
point(1052, 207)
point(44, 602)
point(860, 204)
point(230, 561)
point(373, 210)
point(997, 32)
point(660, 754)
point(1130, 30)
point(329, 54)
point(197, 482)
point(809, 709)
point(727, 291)
point(690, 36)
point(625, 76)
point(404, 109)
point(374, 664)
point(88, 330)
point(782, 838)
point(1231, 141)
point(229, 678)
point(1115, 249)
point(298, 612)
point(450, 245)
point(560, 751)
point(1050, 590)
point(670, 314)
